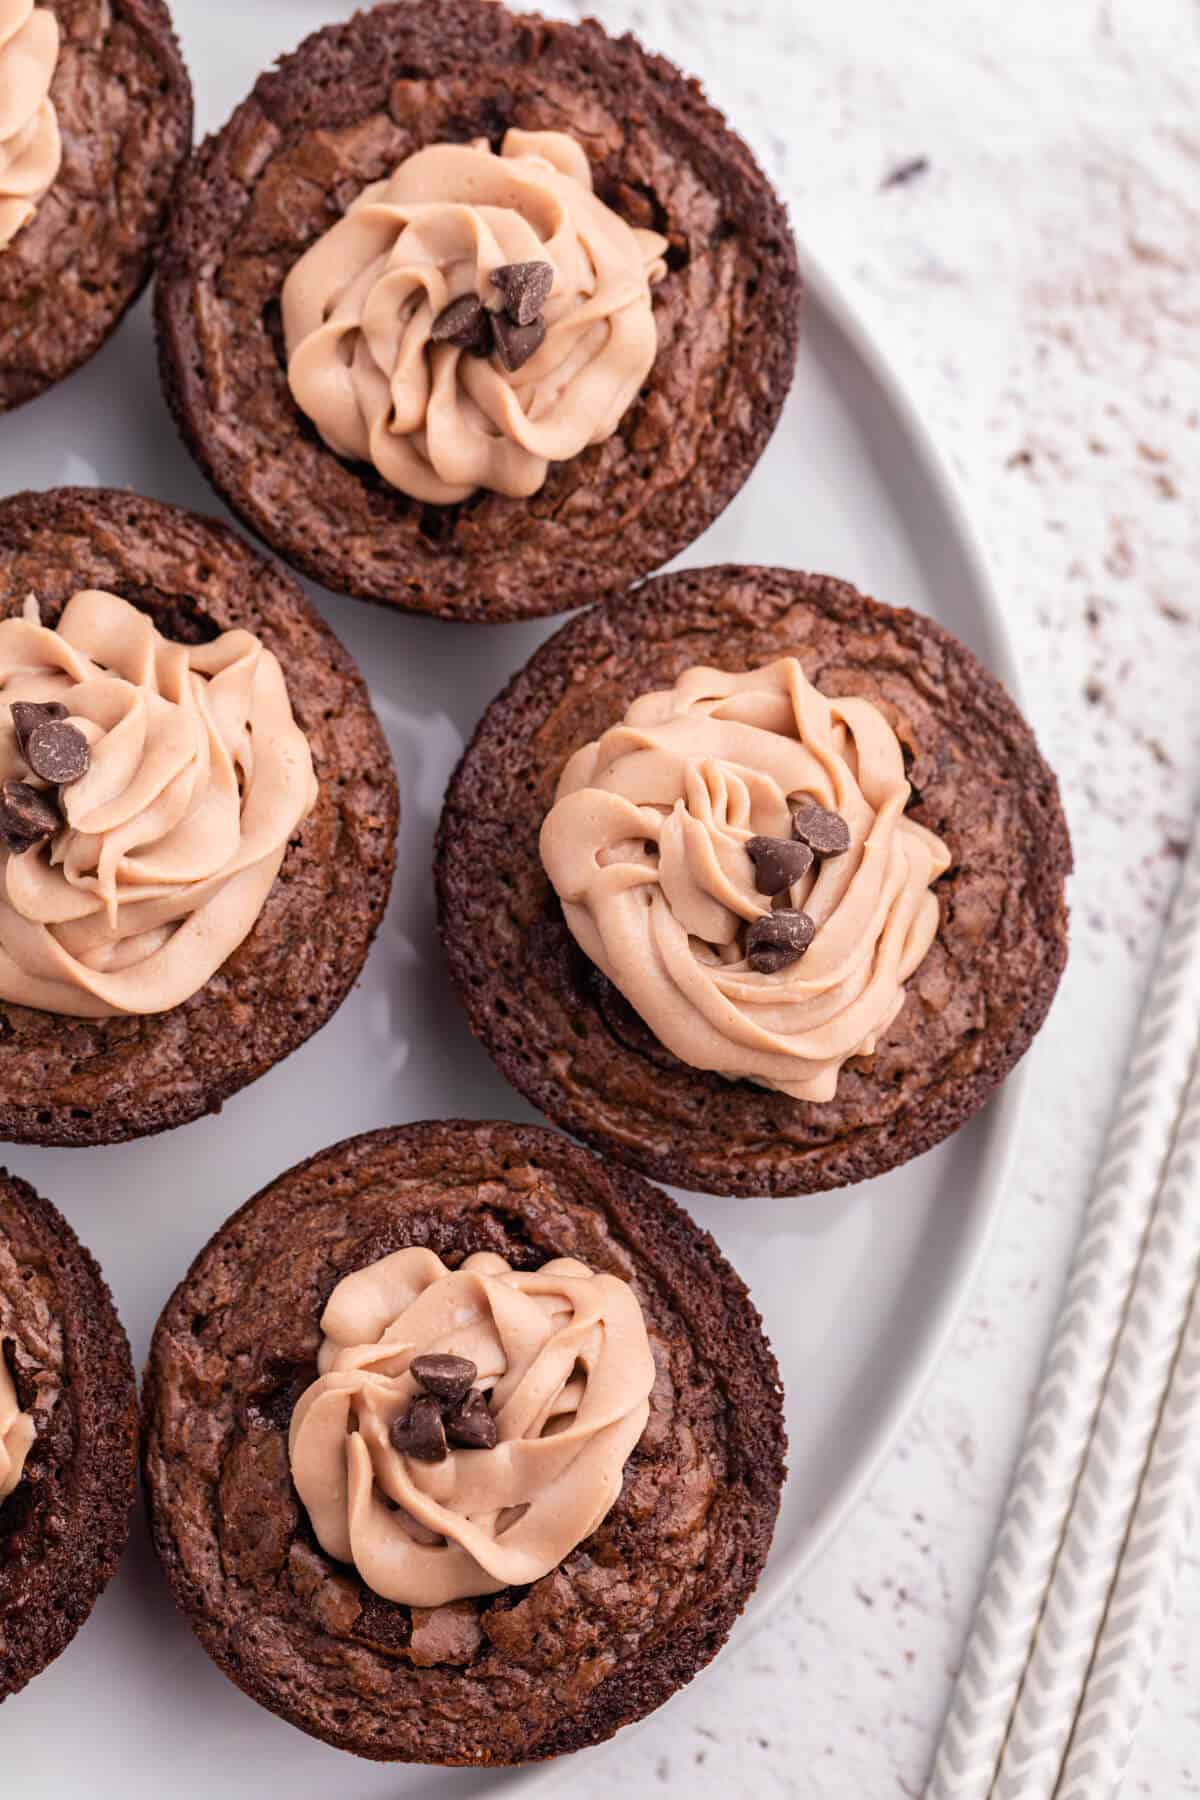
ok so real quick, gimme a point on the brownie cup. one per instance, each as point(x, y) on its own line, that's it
point(250, 914)
point(676, 432)
point(99, 108)
point(68, 1434)
point(981, 923)
point(670, 1521)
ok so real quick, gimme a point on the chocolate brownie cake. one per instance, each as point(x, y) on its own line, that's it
point(97, 123)
point(197, 817)
point(461, 1446)
point(754, 883)
point(509, 408)
point(68, 1434)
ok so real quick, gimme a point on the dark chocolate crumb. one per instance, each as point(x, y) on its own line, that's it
point(904, 172)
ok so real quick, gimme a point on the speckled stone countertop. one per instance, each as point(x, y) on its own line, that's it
point(1010, 194)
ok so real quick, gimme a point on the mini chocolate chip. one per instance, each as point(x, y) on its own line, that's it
point(27, 816)
point(526, 289)
point(447, 1378)
point(777, 939)
point(467, 323)
point(58, 752)
point(420, 1432)
point(515, 344)
point(471, 1426)
point(778, 862)
point(28, 713)
point(825, 832)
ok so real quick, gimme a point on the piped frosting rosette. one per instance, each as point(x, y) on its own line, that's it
point(30, 145)
point(563, 1355)
point(437, 421)
point(646, 847)
point(169, 843)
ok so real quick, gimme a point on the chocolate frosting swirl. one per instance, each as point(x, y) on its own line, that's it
point(646, 848)
point(16, 1433)
point(171, 841)
point(436, 421)
point(565, 1356)
point(30, 145)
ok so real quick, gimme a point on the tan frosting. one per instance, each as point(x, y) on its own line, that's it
point(16, 1433)
point(30, 146)
point(199, 776)
point(435, 421)
point(646, 849)
point(565, 1355)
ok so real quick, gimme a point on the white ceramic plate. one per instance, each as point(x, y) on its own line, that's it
point(858, 1290)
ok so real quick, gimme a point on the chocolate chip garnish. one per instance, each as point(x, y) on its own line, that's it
point(777, 939)
point(27, 816)
point(825, 832)
point(471, 1426)
point(28, 713)
point(515, 344)
point(420, 1432)
point(778, 862)
point(465, 322)
point(526, 289)
point(58, 752)
point(447, 1378)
